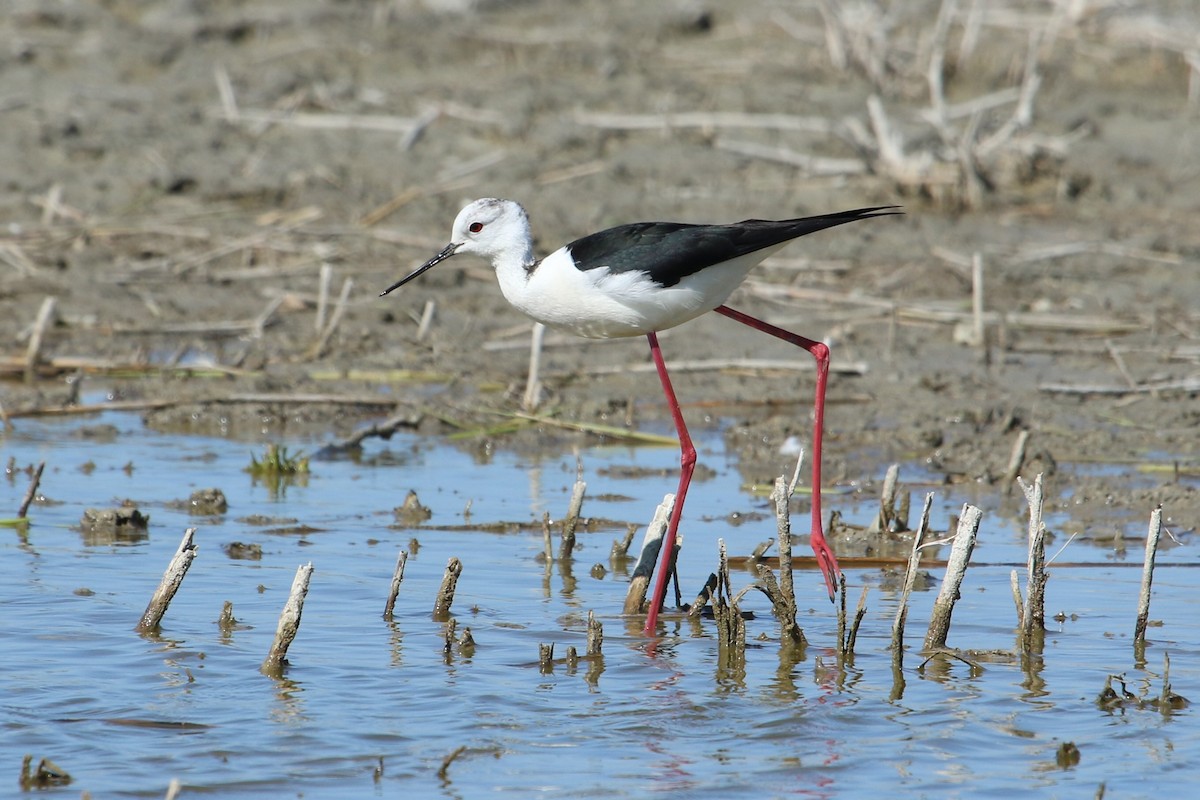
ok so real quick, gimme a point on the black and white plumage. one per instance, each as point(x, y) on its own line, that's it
point(639, 279)
point(625, 281)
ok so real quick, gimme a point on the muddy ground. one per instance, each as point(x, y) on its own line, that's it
point(175, 174)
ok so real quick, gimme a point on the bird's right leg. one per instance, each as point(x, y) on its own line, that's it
point(687, 464)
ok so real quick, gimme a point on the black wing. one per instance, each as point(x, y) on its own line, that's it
point(670, 251)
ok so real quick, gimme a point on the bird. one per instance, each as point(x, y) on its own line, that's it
point(639, 279)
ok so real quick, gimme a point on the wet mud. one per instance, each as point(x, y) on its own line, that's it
point(215, 193)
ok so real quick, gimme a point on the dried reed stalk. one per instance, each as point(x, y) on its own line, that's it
point(33, 353)
point(1143, 616)
point(289, 621)
point(1033, 613)
point(635, 597)
point(533, 383)
point(571, 522)
point(595, 635)
point(397, 578)
point(956, 568)
point(31, 492)
point(731, 628)
point(169, 585)
point(445, 595)
point(785, 605)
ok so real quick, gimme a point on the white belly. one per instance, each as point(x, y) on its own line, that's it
point(598, 304)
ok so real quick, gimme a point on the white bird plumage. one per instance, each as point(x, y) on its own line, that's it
point(639, 279)
point(595, 303)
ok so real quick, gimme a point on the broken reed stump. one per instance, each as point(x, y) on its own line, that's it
point(595, 635)
point(571, 523)
point(635, 597)
point(785, 606)
point(956, 568)
point(910, 578)
point(849, 634)
point(893, 509)
point(1143, 616)
point(789, 633)
point(289, 621)
point(227, 622)
point(46, 774)
point(397, 578)
point(445, 595)
point(547, 542)
point(1033, 613)
point(32, 491)
point(703, 597)
point(169, 585)
point(731, 628)
point(620, 547)
point(1016, 459)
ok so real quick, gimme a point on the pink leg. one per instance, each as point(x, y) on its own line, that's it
point(820, 351)
point(687, 463)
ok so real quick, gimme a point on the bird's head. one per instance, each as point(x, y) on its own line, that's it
point(495, 229)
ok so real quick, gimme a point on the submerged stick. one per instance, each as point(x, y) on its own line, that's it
point(444, 770)
point(32, 491)
point(956, 568)
point(171, 580)
point(397, 577)
point(289, 620)
point(910, 577)
point(1033, 616)
point(571, 523)
point(1152, 536)
point(635, 597)
point(445, 595)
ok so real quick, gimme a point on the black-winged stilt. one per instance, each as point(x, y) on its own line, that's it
point(636, 280)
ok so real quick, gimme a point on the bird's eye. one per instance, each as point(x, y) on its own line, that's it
point(476, 227)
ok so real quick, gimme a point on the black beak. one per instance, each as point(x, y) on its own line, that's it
point(447, 251)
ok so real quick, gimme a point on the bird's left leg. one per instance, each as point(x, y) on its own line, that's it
point(826, 560)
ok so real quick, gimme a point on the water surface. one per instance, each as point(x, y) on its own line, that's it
point(369, 707)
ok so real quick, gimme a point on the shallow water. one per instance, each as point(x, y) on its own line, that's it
point(370, 707)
